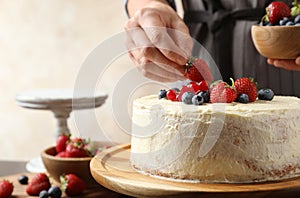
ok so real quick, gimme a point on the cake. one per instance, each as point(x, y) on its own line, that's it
point(222, 142)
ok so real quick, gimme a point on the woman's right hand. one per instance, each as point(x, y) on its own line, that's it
point(158, 42)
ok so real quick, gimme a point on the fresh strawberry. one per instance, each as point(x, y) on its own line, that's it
point(61, 154)
point(76, 148)
point(221, 92)
point(6, 188)
point(203, 86)
point(61, 142)
point(246, 86)
point(197, 70)
point(72, 185)
point(194, 86)
point(276, 11)
point(38, 183)
point(171, 95)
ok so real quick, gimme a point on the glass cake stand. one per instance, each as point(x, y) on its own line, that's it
point(61, 102)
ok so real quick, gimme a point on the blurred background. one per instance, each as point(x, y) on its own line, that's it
point(42, 46)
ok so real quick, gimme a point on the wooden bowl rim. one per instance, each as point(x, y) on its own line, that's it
point(274, 27)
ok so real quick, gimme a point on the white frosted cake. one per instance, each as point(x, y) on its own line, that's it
point(235, 143)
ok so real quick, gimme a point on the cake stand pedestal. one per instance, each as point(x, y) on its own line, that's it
point(61, 103)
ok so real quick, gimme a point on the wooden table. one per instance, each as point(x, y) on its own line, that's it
point(92, 191)
point(11, 170)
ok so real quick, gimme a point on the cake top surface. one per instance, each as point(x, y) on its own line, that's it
point(278, 103)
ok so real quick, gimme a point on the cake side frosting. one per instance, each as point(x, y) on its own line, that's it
point(257, 141)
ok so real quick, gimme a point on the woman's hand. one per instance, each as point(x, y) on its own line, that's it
point(158, 42)
point(286, 64)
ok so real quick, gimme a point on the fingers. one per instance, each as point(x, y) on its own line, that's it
point(154, 24)
point(181, 36)
point(286, 64)
point(156, 65)
point(155, 49)
point(298, 60)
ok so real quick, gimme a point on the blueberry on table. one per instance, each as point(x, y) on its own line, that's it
point(44, 194)
point(265, 94)
point(54, 192)
point(23, 179)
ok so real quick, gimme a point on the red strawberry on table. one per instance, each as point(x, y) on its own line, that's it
point(197, 70)
point(76, 148)
point(72, 185)
point(61, 142)
point(276, 11)
point(6, 188)
point(246, 86)
point(221, 92)
point(38, 183)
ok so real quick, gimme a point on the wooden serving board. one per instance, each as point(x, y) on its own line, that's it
point(112, 169)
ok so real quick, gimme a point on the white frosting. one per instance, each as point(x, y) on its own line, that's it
point(233, 142)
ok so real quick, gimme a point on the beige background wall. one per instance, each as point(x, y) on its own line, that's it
point(42, 46)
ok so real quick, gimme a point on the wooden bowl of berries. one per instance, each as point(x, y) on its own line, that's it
point(71, 155)
point(277, 35)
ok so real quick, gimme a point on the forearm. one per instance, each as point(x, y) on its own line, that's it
point(134, 5)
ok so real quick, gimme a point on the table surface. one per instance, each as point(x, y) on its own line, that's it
point(11, 170)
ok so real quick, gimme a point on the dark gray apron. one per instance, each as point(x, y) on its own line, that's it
point(223, 27)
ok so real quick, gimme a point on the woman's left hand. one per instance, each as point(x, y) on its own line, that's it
point(286, 64)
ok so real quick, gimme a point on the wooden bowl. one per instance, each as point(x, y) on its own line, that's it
point(277, 42)
point(57, 166)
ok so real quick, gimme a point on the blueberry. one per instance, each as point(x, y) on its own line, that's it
point(176, 89)
point(243, 98)
point(205, 96)
point(54, 192)
point(162, 94)
point(197, 100)
point(43, 194)
point(187, 97)
point(284, 21)
point(297, 19)
point(290, 23)
point(265, 94)
point(23, 179)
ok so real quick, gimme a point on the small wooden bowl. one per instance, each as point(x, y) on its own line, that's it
point(277, 42)
point(57, 166)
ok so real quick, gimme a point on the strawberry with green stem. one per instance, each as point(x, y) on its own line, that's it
point(196, 69)
point(246, 86)
point(222, 92)
point(72, 185)
point(276, 11)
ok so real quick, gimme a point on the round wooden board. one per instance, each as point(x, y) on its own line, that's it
point(112, 169)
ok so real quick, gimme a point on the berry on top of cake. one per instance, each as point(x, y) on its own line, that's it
point(243, 90)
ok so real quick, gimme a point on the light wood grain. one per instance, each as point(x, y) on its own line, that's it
point(112, 169)
point(278, 42)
